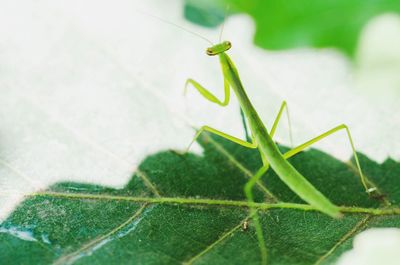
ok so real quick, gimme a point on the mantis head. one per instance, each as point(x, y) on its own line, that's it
point(218, 48)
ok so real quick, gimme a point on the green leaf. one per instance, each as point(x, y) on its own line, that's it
point(291, 24)
point(190, 208)
point(204, 12)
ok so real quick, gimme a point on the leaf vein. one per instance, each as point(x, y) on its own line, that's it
point(75, 255)
point(212, 245)
point(358, 227)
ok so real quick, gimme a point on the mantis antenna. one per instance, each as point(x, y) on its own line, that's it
point(223, 23)
point(178, 26)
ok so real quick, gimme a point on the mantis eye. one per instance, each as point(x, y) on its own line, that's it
point(228, 44)
point(209, 51)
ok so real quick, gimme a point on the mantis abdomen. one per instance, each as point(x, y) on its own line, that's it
point(261, 138)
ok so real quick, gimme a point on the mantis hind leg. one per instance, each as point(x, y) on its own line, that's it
point(369, 189)
point(248, 191)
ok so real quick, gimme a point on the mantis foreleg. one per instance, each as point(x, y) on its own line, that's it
point(208, 95)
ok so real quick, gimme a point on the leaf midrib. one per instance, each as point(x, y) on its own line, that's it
point(261, 206)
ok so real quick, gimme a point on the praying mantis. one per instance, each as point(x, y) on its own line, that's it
point(262, 139)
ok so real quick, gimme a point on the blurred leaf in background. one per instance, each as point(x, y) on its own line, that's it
point(291, 24)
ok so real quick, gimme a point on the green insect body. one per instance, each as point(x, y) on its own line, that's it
point(262, 140)
point(268, 148)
